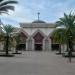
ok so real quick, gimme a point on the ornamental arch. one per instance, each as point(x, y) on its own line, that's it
point(23, 36)
point(38, 37)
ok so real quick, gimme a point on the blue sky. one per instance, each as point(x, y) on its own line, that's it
point(50, 11)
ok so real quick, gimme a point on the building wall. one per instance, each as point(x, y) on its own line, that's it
point(30, 40)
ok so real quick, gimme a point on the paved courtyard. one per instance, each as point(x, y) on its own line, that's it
point(36, 63)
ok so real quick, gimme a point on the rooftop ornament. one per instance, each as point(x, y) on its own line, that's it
point(38, 20)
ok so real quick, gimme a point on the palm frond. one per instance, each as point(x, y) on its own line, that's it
point(58, 23)
point(3, 12)
point(1, 1)
point(59, 36)
point(8, 2)
point(6, 5)
point(8, 29)
point(5, 8)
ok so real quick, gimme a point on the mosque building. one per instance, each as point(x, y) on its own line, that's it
point(37, 35)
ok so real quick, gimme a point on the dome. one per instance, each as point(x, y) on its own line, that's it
point(38, 21)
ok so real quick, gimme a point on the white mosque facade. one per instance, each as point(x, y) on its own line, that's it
point(36, 35)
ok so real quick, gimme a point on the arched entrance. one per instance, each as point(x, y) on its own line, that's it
point(22, 42)
point(38, 41)
point(54, 46)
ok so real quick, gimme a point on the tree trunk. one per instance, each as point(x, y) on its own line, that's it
point(7, 45)
point(16, 50)
point(59, 48)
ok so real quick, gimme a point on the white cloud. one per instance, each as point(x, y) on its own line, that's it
point(51, 10)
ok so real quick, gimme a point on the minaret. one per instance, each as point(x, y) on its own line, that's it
point(38, 15)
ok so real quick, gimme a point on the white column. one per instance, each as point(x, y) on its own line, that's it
point(32, 44)
point(26, 44)
point(43, 44)
point(1, 45)
point(49, 44)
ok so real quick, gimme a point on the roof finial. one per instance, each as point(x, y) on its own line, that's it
point(38, 15)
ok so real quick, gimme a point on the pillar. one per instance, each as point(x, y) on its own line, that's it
point(46, 44)
point(30, 44)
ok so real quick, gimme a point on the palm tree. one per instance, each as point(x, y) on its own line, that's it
point(68, 21)
point(59, 37)
point(8, 29)
point(5, 5)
